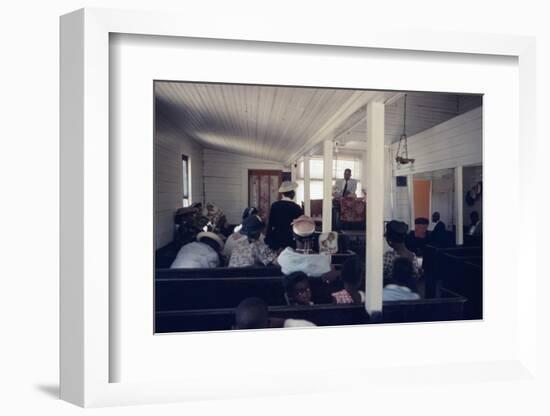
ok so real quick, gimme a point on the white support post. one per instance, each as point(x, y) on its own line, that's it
point(410, 190)
point(459, 205)
point(307, 187)
point(375, 208)
point(294, 173)
point(364, 170)
point(327, 186)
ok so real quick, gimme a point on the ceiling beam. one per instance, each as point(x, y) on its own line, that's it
point(357, 100)
point(390, 98)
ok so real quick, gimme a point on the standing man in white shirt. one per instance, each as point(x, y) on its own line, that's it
point(346, 185)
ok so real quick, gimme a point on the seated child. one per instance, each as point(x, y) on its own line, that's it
point(403, 281)
point(298, 291)
point(351, 276)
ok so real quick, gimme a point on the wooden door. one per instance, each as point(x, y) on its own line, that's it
point(263, 189)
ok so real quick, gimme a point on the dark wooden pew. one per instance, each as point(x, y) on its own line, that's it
point(340, 258)
point(449, 307)
point(465, 276)
point(433, 263)
point(218, 272)
point(200, 273)
point(224, 319)
point(227, 292)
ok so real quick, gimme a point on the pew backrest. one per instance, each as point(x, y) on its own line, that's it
point(433, 263)
point(200, 273)
point(449, 307)
point(228, 292)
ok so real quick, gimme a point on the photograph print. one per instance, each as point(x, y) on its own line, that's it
point(261, 200)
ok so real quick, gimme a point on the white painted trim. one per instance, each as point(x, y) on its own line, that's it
point(410, 192)
point(307, 187)
point(71, 218)
point(294, 174)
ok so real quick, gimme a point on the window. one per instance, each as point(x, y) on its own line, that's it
point(185, 172)
point(339, 165)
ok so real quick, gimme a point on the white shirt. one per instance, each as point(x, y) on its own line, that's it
point(395, 292)
point(296, 323)
point(341, 184)
point(196, 255)
point(314, 265)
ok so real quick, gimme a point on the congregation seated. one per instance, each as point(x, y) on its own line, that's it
point(251, 250)
point(302, 258)
point(403, 282)
point(352, 278)
point(396, 232)
point(203, 253)
point(298, 290)
point(252, 313)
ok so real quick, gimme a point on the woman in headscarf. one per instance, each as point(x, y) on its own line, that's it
point(233, 238)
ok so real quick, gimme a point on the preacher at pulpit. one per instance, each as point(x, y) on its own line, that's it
point(345, 186)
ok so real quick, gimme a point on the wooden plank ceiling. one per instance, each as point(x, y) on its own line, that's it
point(280, 123)
point(266, 122)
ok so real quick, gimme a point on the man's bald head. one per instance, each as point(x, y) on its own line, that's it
point(251, 314)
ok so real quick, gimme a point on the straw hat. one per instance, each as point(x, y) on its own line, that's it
point(303, 226)
point(211, 235)
point(288, 186)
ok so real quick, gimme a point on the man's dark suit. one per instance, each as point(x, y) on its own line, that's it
point(438, 236)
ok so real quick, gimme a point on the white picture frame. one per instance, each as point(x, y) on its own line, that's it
point(86, 333)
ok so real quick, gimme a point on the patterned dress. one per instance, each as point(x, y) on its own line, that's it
point(390, 256)
point(246, 253)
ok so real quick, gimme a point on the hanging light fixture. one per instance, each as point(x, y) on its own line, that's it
point(402, 155)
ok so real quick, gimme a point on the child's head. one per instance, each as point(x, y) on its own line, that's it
point(403, 273)
point(351, 273)
point(297, 288)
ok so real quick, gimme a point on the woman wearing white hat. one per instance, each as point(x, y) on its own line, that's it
point(203, 253)
point(282, 213)
point(303, 259)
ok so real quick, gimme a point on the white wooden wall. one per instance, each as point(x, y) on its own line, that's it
point(456, 142)
point(170, 144)
point(226, 180)
point(401, 204)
